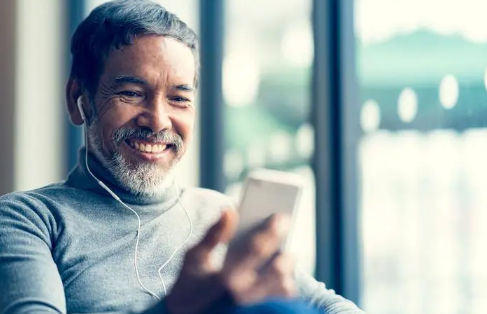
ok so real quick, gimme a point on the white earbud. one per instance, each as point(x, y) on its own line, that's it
point(79, 102)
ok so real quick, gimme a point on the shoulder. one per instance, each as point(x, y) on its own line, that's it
point(207, 197)
point(35, 199)
point(206, 205)
point(33, 210)
point(24, 199)
point(24, 213)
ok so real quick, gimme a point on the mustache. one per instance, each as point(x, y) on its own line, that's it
point(165, 136)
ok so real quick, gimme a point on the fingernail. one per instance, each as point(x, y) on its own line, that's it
point(283, 222)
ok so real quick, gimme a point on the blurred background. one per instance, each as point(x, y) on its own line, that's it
point(380, 104)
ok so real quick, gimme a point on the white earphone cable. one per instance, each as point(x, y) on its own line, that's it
point(179, 247)
point(115, 196)
point(137, 241)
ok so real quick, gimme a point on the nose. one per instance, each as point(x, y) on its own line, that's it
point(155, 116)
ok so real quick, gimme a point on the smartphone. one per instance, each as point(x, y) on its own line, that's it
point(267, 192)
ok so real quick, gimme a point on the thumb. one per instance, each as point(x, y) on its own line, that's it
point(221, 232)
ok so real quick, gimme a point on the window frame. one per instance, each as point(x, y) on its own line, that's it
point(335, 118)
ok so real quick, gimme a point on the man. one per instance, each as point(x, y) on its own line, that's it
point(119, 235)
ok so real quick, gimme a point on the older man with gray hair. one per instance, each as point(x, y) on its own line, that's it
point(118, 235)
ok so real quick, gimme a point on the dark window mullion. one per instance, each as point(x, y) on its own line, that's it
point(211, 95)
point(350, 135)
point(333, 116)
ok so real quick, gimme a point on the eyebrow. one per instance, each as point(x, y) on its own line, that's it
point(183, 87)
point(130, 79)
point(138, 80)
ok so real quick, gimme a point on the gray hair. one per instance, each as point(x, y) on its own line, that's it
point(115, 24)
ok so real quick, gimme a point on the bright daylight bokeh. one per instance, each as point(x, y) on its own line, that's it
point(422, 66)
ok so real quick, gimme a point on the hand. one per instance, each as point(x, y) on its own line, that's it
point(252, 271)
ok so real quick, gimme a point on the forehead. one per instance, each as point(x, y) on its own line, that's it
point(153, 58)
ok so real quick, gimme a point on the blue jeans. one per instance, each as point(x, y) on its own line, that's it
point(275, 307)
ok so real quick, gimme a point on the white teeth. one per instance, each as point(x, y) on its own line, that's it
point(158, 148)
point(148, 148)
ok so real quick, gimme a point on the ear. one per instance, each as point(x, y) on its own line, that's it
point(73, 92)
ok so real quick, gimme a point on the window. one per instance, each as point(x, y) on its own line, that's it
point(266, 77)
point(422, 71)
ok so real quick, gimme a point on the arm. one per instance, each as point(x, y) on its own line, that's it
point(29, 277)
point(30, 281)
point(323, 299)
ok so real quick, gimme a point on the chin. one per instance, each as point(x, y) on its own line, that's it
point(139, 177)
point(143, 178)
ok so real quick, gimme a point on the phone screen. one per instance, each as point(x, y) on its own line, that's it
point(263, 198)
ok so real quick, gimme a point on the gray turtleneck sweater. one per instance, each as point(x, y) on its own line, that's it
point(69, 247)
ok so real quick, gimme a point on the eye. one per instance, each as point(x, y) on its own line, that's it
point(180, 99)
point(181, 102)
point(129, 94)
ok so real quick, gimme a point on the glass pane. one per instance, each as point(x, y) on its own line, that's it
point(422, 155)
point(268, 55)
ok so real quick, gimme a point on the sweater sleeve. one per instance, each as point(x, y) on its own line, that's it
point(30, 281)
point(327, 301)
point(29, 278)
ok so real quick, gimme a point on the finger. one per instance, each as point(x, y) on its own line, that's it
point(258, 246)
point(221, 232)
point(275, 281)
point(282, 264)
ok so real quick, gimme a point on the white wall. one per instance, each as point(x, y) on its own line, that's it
point(39, 90)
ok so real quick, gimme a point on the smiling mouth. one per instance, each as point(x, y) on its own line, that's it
point(144, 147)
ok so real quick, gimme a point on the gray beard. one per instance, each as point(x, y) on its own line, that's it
point(142, 179)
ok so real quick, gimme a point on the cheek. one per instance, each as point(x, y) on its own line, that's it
point(114, 119)
point(186, 125)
